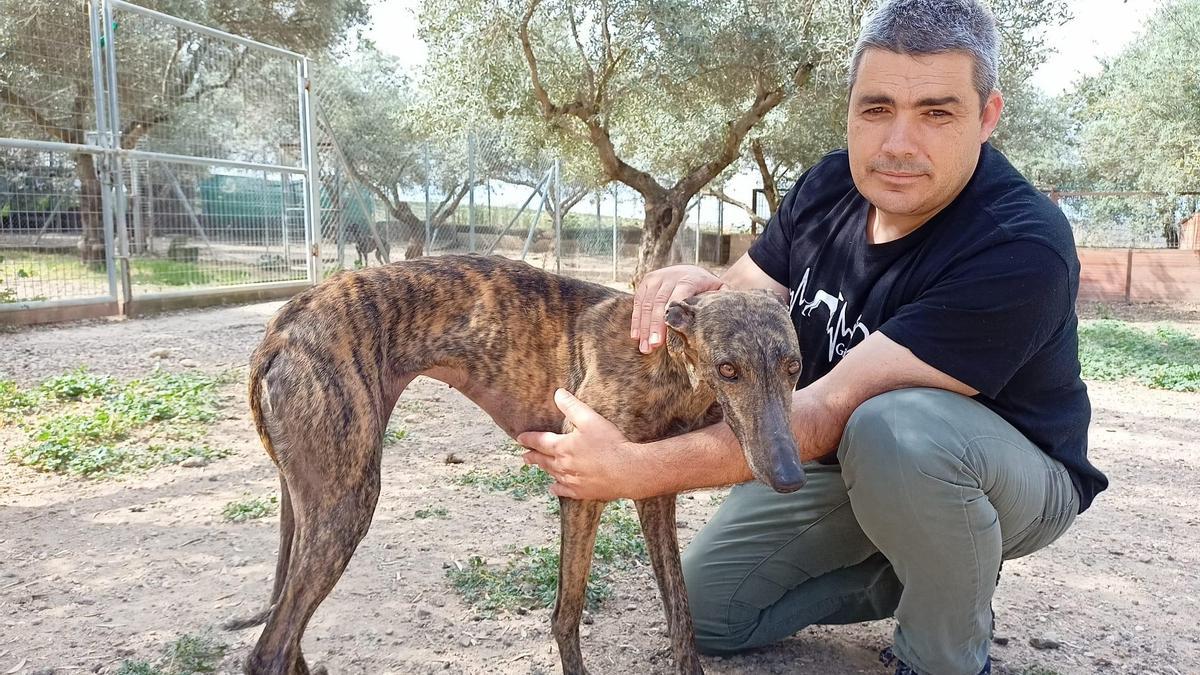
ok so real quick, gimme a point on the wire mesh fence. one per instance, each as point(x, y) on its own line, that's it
point(1143, 220)
point(144, 156)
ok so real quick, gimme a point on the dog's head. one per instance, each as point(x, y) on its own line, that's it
point(743, 345)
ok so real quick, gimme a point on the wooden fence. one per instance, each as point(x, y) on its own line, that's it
point(1139, 275)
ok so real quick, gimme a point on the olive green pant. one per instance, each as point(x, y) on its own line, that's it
point(932, 491)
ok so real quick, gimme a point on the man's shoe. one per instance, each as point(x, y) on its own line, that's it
point(888, 658)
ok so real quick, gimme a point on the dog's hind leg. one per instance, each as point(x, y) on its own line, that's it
point(579, 520)
point(657, 515)
point(332, 514)
point(287, 530)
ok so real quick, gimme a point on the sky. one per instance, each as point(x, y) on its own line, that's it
point(1098, 29)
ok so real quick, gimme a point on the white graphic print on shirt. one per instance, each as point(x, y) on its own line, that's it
point(840, 337)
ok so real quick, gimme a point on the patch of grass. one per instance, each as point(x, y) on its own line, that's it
point(186, 655)
point(250, 508)
point(77, 384)
point(14, 402)
point(194, 654)
point(98, 430)
point(432, 512)
point(530, 580)
point(165, 272)
point(393, 435)
point(1161, 359)
point(519, 483)
point(138, 668)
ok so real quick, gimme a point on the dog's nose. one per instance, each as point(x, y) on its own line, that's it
point(788, 478)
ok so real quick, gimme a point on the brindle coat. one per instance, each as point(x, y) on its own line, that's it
point(336, 358)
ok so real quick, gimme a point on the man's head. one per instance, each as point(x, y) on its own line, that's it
point(923, 98)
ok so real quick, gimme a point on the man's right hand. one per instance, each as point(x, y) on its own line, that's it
point(659, 289)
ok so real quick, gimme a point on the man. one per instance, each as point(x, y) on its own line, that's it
point(933, 291)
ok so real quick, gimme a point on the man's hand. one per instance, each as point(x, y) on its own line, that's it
point(594, 461)
point(657, 290)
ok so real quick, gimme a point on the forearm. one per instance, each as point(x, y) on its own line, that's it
point(713, 457)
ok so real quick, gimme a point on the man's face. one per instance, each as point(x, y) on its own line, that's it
point(914, 128)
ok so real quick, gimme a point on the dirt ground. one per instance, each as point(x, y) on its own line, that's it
point(95, 572)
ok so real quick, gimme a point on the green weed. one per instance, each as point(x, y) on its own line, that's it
point(250, 508)
point(187, 655)
point(96, 432)
point(432, 512)
point(1164, 358)
point(519, 483)
point(530, 580)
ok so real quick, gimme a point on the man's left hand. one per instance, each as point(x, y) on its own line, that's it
point(592, 462)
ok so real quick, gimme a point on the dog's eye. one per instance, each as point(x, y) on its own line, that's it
point(727, 371)
point(793, 367)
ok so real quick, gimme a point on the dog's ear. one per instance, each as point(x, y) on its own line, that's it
point(681, 314)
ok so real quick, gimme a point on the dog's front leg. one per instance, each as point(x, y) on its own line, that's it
point(579, 520)
point(658, 525)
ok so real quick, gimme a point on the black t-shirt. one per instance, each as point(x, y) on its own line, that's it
point(984, 292)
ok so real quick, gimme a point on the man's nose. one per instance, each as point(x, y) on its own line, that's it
point(901, 138)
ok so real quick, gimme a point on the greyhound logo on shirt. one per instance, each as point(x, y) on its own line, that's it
point(841, 338)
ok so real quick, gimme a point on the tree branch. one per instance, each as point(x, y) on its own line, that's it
point(588, 71)
point(614, 166)
point(720, 194)
point(770, 186)
point(763, 103)
point(44, 123)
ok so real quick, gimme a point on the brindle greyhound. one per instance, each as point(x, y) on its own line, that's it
point(336, 358)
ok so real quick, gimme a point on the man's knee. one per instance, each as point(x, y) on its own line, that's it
point(903, 429)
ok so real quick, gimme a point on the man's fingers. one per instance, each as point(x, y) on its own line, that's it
point(542, 442)
point(643, 305)
point(578, 413)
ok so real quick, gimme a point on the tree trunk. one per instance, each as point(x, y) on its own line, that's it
point(91, 246)
point(415, 226)
point(662, 222)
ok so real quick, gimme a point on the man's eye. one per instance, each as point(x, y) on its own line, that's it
point(939, 113)
point(874, 111)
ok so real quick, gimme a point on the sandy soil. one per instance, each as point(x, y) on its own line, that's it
point(95, 572)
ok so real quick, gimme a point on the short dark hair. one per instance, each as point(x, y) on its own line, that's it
point(935, 27)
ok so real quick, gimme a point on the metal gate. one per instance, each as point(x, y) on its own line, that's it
point(141, 154)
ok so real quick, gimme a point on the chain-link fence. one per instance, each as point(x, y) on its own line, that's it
point(1143, 220)
point(147, 160)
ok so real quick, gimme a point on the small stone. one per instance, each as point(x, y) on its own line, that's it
point(189, 363)
point(162, 353)
point(1044, 643)
point(464, 642)
point(453, 459)
point(124, 651)
point(194, 462)
point(588, 618)
point(1001, 641)
point(630, 608)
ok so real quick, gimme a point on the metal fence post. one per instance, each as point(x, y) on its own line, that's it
point(558, 215)
point(105, 177)
point(312, 170)
point(471, 191)
point(118, 175)
point(616, 234)
point(428, 212)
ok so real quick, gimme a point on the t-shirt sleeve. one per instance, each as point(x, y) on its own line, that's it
point(988, 315)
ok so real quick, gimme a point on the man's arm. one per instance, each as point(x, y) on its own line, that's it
point(595, 461)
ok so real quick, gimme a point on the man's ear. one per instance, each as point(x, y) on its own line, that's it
point(681, 314)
